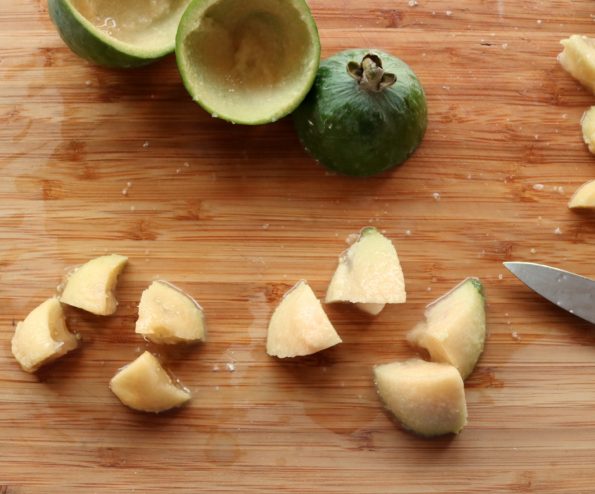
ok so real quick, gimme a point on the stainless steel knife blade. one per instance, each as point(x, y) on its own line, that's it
point(567, 290)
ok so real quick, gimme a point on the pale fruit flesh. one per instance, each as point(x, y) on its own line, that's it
point(146, 24)
point(168, 315)
point(584, 197)
point(90, 287)
point(428, 398)
point(42, 337)
point(369, 272)
point(454, 329)
point(299, 325)
point(588, 128)
point(146, 386)
point(372, 309)
point(578, 59)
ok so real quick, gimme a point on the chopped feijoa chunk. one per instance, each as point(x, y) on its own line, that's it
point(168, 315)
point(91, 286)
point(146, 386)
point(584, 197)
point(299, 326)
point(369, 274)
point(588, 128)
point(454, 329)
point(42, 337)
point(428, 398)
point(578, 59)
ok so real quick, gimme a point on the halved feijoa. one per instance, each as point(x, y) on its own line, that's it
point(117, 33)
point(248, 61)
point(365, 113)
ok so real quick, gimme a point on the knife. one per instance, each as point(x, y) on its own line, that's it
point(567, 290)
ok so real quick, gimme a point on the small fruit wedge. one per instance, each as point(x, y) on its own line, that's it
point(588, 128)
point(91, 286)
point(248, 61)
point(42, 337)
point(578, 59)
point(454, 329)
point(584, 197)
point(117, 33)
point(427, 398)
point(168, 315)
point(299, 325)
point(369, 274)
point(146, 386)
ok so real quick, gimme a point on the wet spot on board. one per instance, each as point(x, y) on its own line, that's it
point(222, 448)
point(193, 212)
point(390, 18)
point(51, 190)
point(73, 150)
point(484, 377)
point(87, 172)
point(110, 457)
point(275, 292)
point(364, 440)
point(141, 230)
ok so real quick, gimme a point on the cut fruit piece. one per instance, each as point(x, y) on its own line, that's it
point(146, 386)
point(588, 128)
point(426, 397)
point(584, 197)
point(248, 61)
point(166, 314)
point(299, 325)
point(116, 33)
point(91, 286)
point(42, 337)
point(372, 309)
point(455, 327)
point(369, 274)
point(578, 59)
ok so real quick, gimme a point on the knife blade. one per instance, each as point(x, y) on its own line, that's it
point(567, 290)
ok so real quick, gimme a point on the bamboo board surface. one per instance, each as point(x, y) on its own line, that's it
point(236, 215)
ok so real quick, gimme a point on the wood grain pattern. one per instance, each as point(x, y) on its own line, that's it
point(235, 215)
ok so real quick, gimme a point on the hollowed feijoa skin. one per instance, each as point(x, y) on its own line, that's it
point(366, 113)
point(118, 33)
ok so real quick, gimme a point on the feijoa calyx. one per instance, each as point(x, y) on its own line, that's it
point(365, 113)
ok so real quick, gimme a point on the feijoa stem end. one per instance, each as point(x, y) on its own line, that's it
point(370, 75)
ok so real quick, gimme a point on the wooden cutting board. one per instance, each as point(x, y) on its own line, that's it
point(95, 161)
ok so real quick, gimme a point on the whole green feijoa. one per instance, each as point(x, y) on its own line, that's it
point(365, 113)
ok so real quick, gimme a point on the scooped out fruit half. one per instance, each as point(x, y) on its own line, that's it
point(117, 33)
point(248, 61)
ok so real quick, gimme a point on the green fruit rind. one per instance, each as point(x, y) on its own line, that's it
point(90, 43)
point(356, 132)
point(188, 22)
point(478, 285)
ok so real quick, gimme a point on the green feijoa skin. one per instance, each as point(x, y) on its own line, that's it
point(365, 113)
